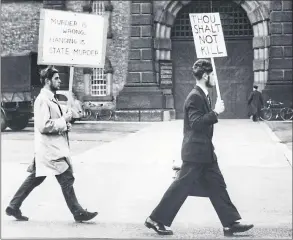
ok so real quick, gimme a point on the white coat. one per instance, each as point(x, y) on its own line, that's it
point(51, 137)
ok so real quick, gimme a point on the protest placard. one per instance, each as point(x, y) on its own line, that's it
point(208, 35)
point(72, 39)
point(208, 38)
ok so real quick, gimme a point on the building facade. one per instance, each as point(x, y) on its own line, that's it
point(150, 51)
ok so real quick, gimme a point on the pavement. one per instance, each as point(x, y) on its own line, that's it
point(281, 133)
point(18, 145)
point(124, 180)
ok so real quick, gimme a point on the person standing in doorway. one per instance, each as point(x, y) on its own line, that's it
point(52, 156)
point(200, 166)
point(255, 103)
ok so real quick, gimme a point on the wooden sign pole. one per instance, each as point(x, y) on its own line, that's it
point(71, 73)
point(216, 79)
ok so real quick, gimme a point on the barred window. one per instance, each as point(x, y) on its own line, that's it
point(98, 7)
point(234, 20)
point(99, 82)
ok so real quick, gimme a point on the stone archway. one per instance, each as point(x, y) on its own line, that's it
point(258, 15)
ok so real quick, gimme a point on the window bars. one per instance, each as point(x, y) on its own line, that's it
point(98, 7)
point(98, 82)
point(235, 22)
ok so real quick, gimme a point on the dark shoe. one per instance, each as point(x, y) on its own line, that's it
point(16, 213)
point(158, 227)
point(84, 216)
point(236, 227)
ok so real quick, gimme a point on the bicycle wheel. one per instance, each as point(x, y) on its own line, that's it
point(266, 114)
point(286, 113)
point(105, 114)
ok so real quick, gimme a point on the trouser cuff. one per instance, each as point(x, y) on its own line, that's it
point(231, 222)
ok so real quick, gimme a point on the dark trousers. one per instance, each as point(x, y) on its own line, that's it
point(207, 175)
point(65, 180)
point(256, 115)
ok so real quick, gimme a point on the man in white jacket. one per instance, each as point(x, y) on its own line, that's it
point(52, 154)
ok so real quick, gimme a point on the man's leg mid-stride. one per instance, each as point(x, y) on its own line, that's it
point(164, 214)
point(219, 197)
point(25, 189)
point(66, 181)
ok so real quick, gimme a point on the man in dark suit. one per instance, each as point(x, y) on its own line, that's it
point(200, 166)
point(255, 103)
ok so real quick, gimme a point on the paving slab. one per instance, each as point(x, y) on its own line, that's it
point(125, 179)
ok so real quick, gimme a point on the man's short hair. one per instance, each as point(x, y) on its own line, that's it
point(200, 67)
point(47, 73)
point(255, 87)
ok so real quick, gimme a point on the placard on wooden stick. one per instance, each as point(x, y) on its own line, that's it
point(208, 38)
point(72, 39)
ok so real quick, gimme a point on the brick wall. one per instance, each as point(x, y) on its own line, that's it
point(19, 26)
point(279, 84)
point(281, 42)
point(141, 67)
point(141, 90)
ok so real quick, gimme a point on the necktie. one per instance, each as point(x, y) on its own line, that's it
point(210, 102)
point(66, 133)
point(58, 105)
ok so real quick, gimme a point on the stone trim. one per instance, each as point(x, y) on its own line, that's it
point(260, 65)
point(87, 7)
point(97, 98)
point(54, 4)
point(166, 18)
point(107, 69)
point(261, 42)
point(257, 13)
point(149, 115)
point(163, 43)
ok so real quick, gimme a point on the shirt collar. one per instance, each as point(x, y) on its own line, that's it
point(48, 93)
point(203, 89)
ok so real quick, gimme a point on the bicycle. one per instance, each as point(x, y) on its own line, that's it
point(277, 109)
point(97, 112)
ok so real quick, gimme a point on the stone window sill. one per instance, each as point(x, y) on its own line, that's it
point(98, 98)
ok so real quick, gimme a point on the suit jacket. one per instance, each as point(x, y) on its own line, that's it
point(199, 118)
point(255, 102)
point(51, 138)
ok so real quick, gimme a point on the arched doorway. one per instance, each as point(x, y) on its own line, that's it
point(235, 72)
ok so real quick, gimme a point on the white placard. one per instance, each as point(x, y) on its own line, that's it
point(208, 35)
point(72, 39)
